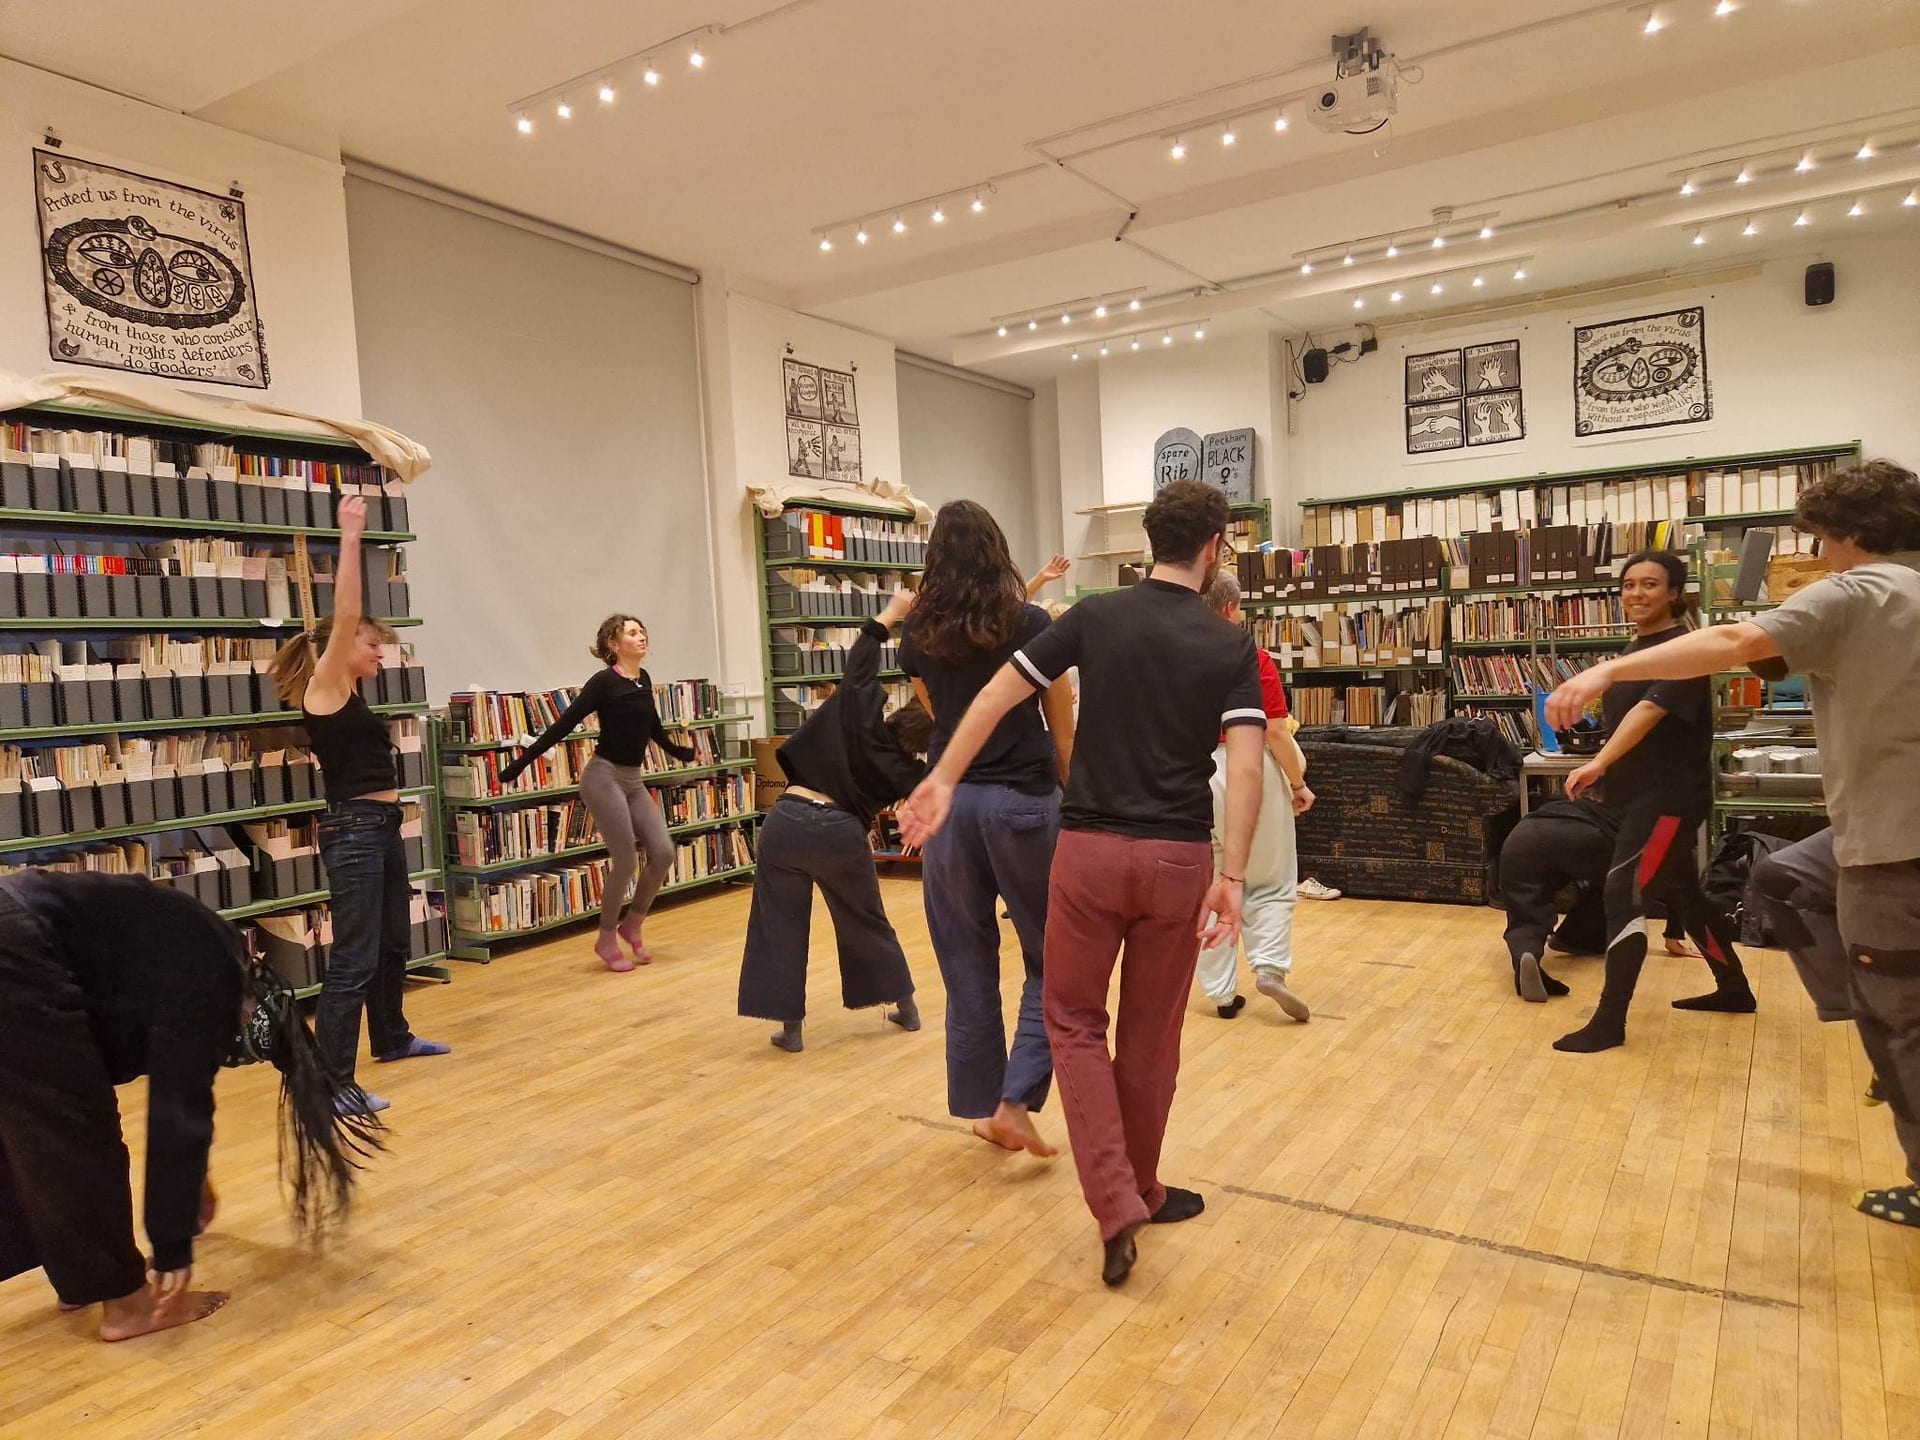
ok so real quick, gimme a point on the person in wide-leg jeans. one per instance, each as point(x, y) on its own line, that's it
point(997, 842)
point(372, 933)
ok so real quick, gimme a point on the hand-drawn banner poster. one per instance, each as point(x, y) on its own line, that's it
point(146, 275)
point(1642, 373)
point(843, 454)
point(1494, 412)
point(806, 449)
point(836, 398)
point(1435, 376)
point(803, 390)
point(1436, 426)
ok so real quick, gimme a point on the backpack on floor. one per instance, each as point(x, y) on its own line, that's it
point(1726, 879)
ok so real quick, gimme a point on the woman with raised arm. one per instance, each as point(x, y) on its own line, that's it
point(968, 620)
point(1658, 767)
point(104, 978)
point(360, 844)
point(614, 783)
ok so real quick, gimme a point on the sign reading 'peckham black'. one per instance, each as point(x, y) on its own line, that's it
point(1224, 460)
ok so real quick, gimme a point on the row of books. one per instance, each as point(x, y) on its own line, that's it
point(489, 837)
point(793, 704)
point(474, 777)
point(240, 583)
point(91, 688)
point(298, 944)
point(1372, 567)
point(501, 717)
point(90, 794)
point(800, 534)
point(112, 474)
point(1365, 705)
point(1675, 495)
point(1348, 634)
point(821, 651)
point(1521, 618)
point(1516, 724)
point(1513, 674)
point(546, 897)
point(802, 594)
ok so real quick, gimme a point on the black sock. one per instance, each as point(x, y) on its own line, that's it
point(1603, 1032)
point(1121, 1253)
point(1731, 993)
point(1228, 1011)
point(1554, 987)
point(787, 1037)
point(1179, 1205)
point(905, 1013)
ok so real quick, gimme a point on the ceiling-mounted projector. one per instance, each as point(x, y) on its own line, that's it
point(1364, 92)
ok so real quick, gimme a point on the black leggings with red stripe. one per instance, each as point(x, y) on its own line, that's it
point(1654, 860)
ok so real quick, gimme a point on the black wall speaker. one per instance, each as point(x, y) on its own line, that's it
point(1820, 283)
point(1313, 365)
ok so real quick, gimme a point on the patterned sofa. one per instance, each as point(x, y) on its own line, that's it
point(1361, 839)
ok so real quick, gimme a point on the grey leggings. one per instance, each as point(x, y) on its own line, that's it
point(630, 822)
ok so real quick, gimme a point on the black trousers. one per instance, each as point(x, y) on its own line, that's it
point(803, 844)
point(66, 1204)
point(1542, 857)
point(1654, 860)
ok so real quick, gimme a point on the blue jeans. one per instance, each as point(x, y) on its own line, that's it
point(372, 933)
point(997, 844)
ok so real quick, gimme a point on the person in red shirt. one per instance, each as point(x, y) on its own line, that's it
point(1267, 913)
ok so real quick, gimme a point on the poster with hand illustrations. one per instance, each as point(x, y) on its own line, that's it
point(146, 275)
point(1494, 412)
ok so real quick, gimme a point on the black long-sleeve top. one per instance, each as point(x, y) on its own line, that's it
point(162, 979)
point(628, 721)
point(844, 750)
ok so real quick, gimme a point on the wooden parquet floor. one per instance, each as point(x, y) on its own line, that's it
point(615, 1210)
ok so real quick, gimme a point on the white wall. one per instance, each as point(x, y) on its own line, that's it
point(1221, 383)
point(960, 440)
point(296, 231)
point(559, 393)
point(1783, 374)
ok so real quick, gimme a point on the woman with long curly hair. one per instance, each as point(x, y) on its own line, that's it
point(970, 617)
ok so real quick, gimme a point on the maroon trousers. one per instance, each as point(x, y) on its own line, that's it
point(1110, 892)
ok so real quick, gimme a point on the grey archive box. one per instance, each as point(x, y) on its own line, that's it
point(116, 491)
point(43, 485)
point(236, 887)
point(13, 707)
point(96, 596)
point(123, 596)
point(192, 788)
point(80, 489)
point(76, 706)
point(16, 484)
point(12, 819)
point(206, 596)
point(166, 797)
point(10, 597)
point(299, 513)
point(253, 504)
point(100, 700)
point(161, 699)
point(83, 810)
point(273, 504)
point(294, 961)
point(190, 696)
point(220, 695)
point(233, 597)
point(64, 591)
point(150, 596)
point(170, 497)
point(253, 598)
point(220, 792)
point(323, 508)
point(226, 501)
point(33, 595)
point(244, 781)
point(308, 874)
point(396, 508)
point(130, 698)
point(140, 807)
point(302, 784)
point(46, 810)
point(143, 496)
point(205, 887)
point(196, 496)
point(176, 597)
point(111, 797)
point(411, 767)
point(413, 685)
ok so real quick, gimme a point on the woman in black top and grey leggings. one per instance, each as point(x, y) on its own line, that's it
point(360, 840)
point(614, 783)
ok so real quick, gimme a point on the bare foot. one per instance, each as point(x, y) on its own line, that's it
point(1011, 1128)
point(136, 1315)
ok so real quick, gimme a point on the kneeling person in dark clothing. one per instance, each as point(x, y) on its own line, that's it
point(843, 765)
point(1562, 846)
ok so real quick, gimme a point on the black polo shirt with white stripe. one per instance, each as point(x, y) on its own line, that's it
point(1161, 676)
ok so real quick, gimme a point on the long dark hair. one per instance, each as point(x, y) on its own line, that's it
point(971, 593)
point(325, 1130)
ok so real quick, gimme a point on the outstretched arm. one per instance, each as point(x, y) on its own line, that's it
point(1053, 570)
point(1704, 652)
point(583, 705)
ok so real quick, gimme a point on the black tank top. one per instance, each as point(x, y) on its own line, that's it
point(355, 755)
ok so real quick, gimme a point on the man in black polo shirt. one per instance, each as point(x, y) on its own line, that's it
point(1161, 676)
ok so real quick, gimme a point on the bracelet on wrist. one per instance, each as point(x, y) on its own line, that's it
point(1233, 879)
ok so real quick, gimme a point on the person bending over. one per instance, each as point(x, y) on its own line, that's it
point(614, 784)
point(1658, 767)
point(968, 620)
point(843, 765)
point(1266, 922)
point(86, 1006)
point(1161, 677)
point(1856, 636)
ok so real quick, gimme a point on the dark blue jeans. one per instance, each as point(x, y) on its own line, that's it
point(997, 844)
point(372, 933)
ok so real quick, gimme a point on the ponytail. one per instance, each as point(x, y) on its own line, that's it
point(294, 662)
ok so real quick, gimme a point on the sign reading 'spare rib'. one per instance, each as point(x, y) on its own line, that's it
point(146, 275)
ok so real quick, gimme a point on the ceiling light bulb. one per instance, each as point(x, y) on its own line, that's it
point(978, 204)
point(695, 58)
point(1478, 281)
point(1806, 164)
point(1654, 24)
point(1359, 302)
point(939, 216)
point(524, 125)
point(1745, 177)
point(1002, 332)
point(1134, 304)
point(1166, 339)
point(1136, 342)
point(1179, 150)
point(1066, 317)
point(1724, 8)
point(1913, 199)
point(1306, 267)
point(1439, 242)
point(1100, 311)
point(652, 76)
point(1199, 332)
point(1699, 237)
point(1486, 232)
point(1227, 137)
point(860, 235)
point(899, 225)
point(1520, 274)
point(1279, 122)
point(1033, 324)
point(606, 92)
point(1865, 152)
point(1801, 219)
point(1686, 187)
point(1392, 249)
point(1395, 297)
point(1437, 288)
point(1856, 210)
point(1103, 349)
point(1075, 355)
point(1348, 260)
point(1750, 229)
point(826, 242)
point(563, 110)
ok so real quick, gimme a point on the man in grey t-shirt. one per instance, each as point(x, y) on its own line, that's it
point(1856, 636)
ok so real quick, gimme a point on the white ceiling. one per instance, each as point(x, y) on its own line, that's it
point(825, 111)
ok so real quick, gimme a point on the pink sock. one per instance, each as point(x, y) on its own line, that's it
point(608, 949)
point(629, 931)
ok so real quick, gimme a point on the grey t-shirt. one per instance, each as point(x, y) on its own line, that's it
point(1856, 637)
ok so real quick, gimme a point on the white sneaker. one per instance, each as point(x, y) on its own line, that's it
point(1312, 889)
